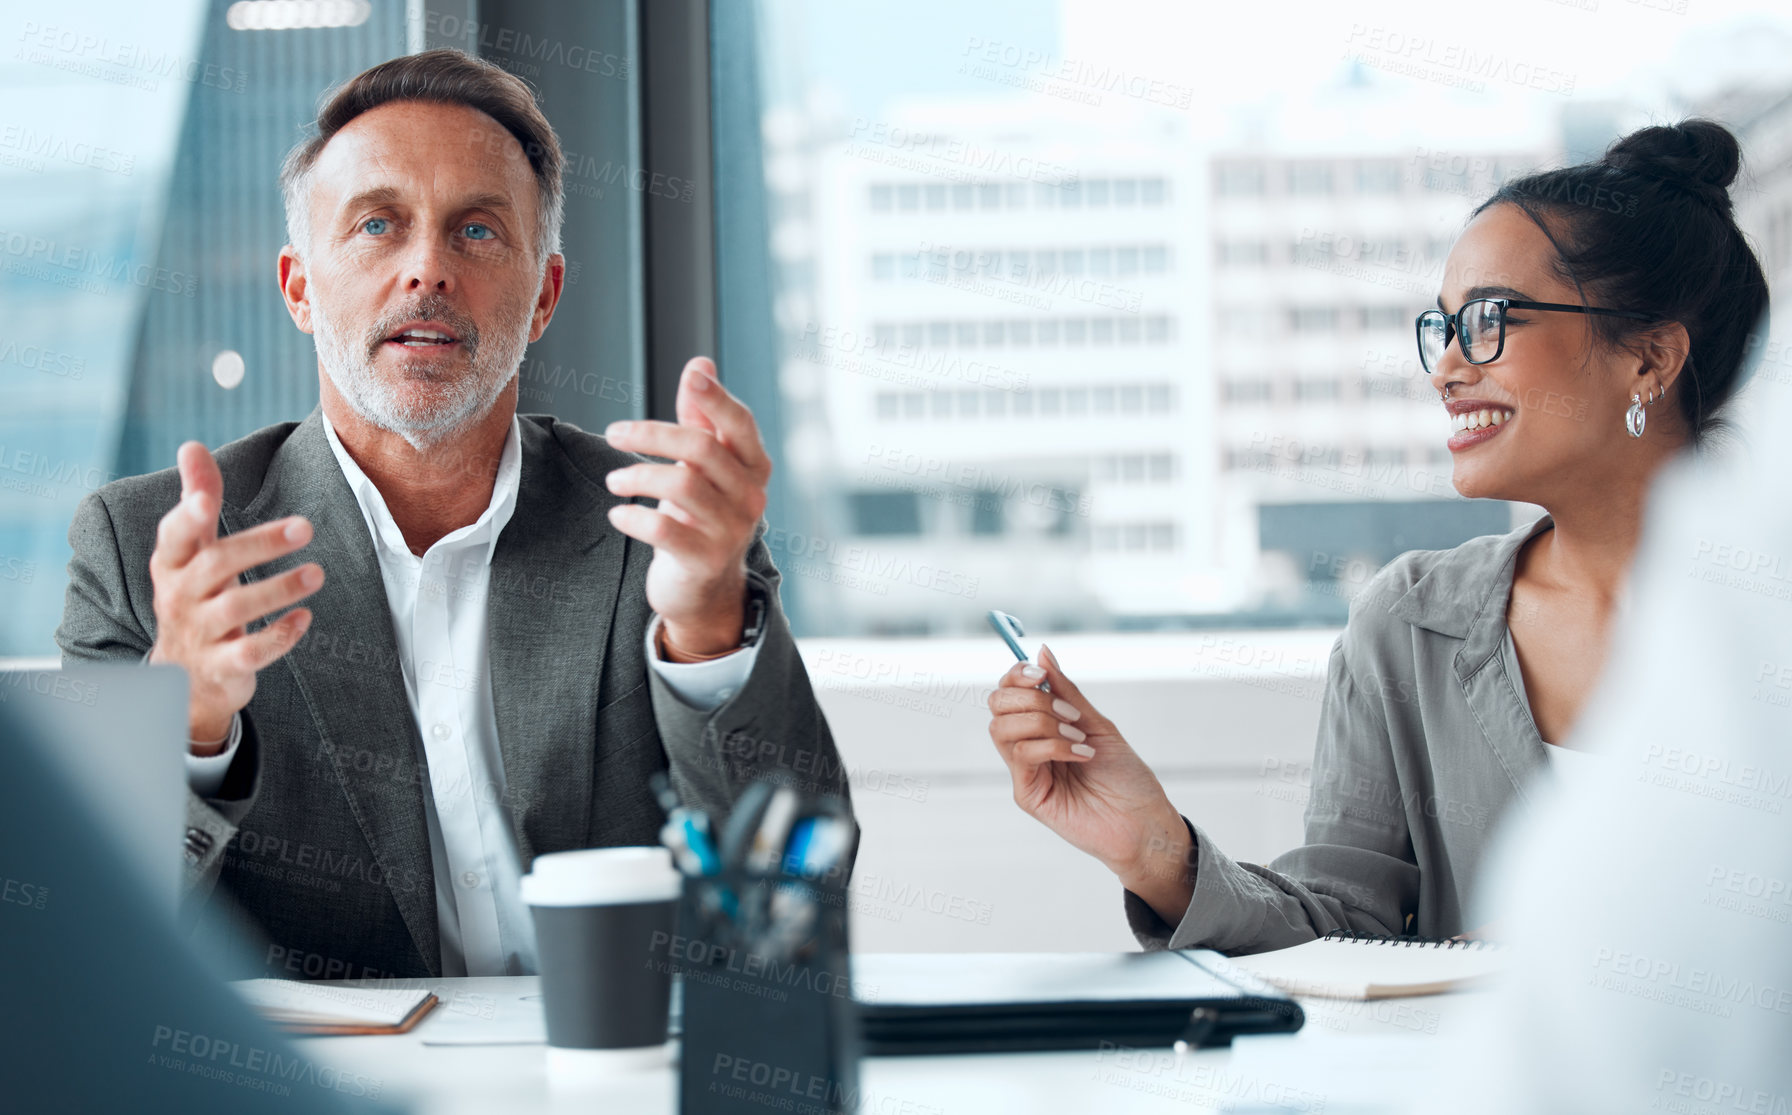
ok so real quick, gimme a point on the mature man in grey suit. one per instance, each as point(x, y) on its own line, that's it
point(502, 641)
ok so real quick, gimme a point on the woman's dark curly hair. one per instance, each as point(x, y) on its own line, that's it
point(1649, 227)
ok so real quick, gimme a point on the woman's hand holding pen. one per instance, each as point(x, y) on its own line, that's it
point(1077, 775)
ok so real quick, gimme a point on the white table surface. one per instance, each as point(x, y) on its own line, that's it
point(513, 1079)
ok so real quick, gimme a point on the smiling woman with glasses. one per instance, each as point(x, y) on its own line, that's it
point(1481, 325)
point(1584, 297)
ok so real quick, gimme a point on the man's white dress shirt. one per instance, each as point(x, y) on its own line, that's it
point(439, 616)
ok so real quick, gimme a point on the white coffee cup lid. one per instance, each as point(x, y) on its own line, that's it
point(601, 877)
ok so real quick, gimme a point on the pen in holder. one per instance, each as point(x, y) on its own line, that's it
point(761, 953)
point(769, 1020)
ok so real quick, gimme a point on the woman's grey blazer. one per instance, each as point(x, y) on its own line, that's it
point(1425, 737)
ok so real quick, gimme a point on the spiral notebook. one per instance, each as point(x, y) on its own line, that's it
point(1346, 965)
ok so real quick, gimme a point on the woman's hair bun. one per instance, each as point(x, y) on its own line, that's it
point(1698, 156)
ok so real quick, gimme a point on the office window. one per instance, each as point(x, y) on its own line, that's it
point(1312, 252)
point(1249, 321)
point(1380, 176)
point(1313, 319)
point(1246, 390)
point(1388, 317)
point(1312, 244)
point(986, 518)
point(1239, 179)
point(824, 323)
point(1310, 178)
point(1241, 253)
point(880, 513)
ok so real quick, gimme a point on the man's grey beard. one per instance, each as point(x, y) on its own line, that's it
point(348, 361)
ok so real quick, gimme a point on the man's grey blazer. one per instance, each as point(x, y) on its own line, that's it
point(319, 834)
point(1425, 740)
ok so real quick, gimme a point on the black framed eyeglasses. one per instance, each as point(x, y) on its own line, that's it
point(1480, 327)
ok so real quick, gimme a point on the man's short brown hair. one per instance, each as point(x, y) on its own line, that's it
point(448, 77)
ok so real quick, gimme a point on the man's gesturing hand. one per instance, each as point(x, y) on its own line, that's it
point(202, 607)
point(710, 500)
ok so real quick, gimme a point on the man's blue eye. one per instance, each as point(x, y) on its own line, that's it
point(374, 226)
point(478, 232)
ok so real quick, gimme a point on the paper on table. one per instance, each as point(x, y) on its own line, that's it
point(294, 1002)
point(478, 1018)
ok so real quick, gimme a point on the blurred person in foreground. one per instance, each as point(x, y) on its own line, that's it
point(1592, 323)
point(1648, 909)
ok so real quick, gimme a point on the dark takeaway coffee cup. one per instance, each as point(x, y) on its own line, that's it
point(600, 914)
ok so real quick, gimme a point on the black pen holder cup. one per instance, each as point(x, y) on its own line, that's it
point(769, 1020)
